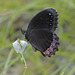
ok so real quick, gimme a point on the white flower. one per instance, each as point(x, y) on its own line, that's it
point(20, 45)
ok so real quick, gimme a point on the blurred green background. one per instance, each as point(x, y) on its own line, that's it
point(16, 14)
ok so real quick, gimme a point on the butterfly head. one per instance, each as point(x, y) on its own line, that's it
point(23, 32)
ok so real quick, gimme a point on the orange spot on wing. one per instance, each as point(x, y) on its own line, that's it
point(53, 41)
point(51, 45)
point(44, 52)
point(49, 54)
point(48, 49)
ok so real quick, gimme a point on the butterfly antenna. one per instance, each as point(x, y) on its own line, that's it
point(23, 32)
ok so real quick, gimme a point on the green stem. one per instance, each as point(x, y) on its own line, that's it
point(7, 62)
point(23, 59)
point(24, 63)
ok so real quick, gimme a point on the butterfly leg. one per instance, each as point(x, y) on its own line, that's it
point(34, 49)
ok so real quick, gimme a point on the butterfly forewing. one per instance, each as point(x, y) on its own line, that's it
point(46, 19)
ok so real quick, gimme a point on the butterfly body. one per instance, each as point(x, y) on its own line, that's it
point(40, 32)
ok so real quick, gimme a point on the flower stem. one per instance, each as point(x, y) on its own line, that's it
point(24, 63)
point(23, 59)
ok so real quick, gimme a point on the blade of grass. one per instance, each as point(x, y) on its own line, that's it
point(7, 62)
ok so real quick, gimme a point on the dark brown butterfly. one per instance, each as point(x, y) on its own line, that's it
point(40, 32)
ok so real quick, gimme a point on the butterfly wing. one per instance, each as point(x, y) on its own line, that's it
point(40, 39)
point(40, 32)
point(46, 19)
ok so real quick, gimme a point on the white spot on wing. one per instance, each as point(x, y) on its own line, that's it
point(49, 13)
point(50, 24)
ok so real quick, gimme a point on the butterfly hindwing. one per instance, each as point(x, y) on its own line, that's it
point(40, 39)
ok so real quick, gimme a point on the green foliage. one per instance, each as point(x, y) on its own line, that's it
point(16, 14)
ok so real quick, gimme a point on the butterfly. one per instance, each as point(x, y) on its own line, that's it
point(40, 32)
